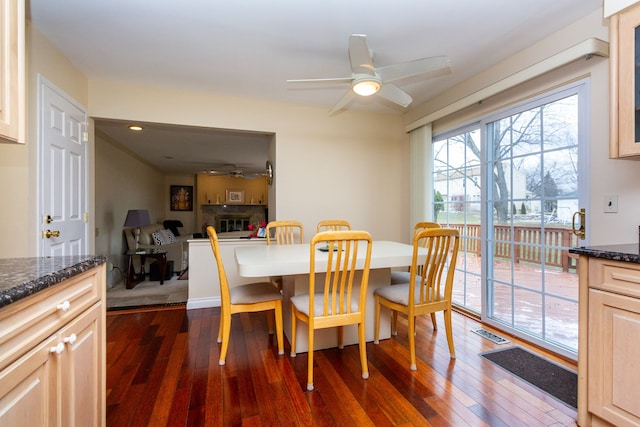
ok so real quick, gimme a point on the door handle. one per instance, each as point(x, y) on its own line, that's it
point(49, 234)
point(581, 231)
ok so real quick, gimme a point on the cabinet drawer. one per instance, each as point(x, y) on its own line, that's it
point(25, 323)
point(613, 276)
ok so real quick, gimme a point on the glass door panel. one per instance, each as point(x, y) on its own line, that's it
point(532, 163)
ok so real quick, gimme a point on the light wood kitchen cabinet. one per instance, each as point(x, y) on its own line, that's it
point(612, 327)
point(53, 372)
point(12, 71)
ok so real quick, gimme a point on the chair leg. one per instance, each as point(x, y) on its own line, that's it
point(376, 321)
point(434, 322)
point(294, 325)
point(341, 337)
point(270, 317)
point(225, 323)
point(363, 349)
point(412, 341)
point(394, 322)
point(449, 329)
point(310, 360)
point(221, 325)
point(278, 316)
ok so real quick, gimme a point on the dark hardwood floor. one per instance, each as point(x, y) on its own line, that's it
point(162, 370)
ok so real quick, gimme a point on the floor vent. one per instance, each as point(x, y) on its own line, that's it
point(490, 336)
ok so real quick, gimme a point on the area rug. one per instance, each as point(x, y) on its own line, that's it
point(547, 376)
point(148, 294)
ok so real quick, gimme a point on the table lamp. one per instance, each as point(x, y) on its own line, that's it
point(137, 218)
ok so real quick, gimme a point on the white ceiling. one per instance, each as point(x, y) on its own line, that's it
point(249, 48)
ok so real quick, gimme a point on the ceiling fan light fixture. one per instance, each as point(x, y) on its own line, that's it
point(366, 86)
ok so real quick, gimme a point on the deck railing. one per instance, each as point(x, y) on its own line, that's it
point(527, 244)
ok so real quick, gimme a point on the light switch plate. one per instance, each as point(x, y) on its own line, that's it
point(611, 203)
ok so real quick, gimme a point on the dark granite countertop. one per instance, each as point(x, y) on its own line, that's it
point(21, 277)
point(629, 252)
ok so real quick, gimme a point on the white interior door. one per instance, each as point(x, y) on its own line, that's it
point(63, 174)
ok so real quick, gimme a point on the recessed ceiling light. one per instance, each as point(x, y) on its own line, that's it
point(135, 128)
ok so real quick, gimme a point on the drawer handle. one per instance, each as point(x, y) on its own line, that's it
point(625, 278)
point(64, 306)
point(71, 339)
point(58, 349)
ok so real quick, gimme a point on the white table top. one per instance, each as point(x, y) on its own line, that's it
point(284, 260)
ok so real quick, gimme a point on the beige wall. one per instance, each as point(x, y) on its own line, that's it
point(20, 225)
point(122, 182)
point(342, 166)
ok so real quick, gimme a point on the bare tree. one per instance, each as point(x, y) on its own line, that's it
point(516, 143)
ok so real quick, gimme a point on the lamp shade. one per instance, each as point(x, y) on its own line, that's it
point(137, 218)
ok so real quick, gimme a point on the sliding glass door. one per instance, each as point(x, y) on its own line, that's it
point(510, 184)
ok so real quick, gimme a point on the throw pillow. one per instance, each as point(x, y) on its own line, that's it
point(158, 237)
point(169, 237)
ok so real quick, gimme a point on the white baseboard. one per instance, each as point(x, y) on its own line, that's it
point(193, 303)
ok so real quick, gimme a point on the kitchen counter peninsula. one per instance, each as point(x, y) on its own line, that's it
point(609, 335)
point(21, 277)
point(53, 341)
point(628, 252)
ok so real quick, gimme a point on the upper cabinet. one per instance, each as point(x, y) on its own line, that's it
point(12, 71)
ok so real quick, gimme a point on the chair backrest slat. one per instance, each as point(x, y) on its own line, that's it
point(441, 246)
point(342, 249)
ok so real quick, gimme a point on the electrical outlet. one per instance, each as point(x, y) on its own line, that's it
point(109, 266)
point(611, 203)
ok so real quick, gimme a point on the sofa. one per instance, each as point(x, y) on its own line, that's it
point(158, 236)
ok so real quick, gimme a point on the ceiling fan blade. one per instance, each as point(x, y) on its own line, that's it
point(393, 93)
point(329, 80)
point(434, 66)
point(346, 98)
point(360, 56)
point(215, 173)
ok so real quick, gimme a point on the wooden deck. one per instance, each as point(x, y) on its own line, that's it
point(561, 324)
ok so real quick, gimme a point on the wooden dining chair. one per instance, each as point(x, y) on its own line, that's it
point(400, 277)
point(429, 287)
point(284, 232)
point(333, 225)
point(252, 297)
point(335, 299)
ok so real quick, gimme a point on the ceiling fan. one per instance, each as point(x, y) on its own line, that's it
point(367, 80)
point(236, 171)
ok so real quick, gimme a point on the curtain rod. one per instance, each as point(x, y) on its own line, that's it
point(585, 49)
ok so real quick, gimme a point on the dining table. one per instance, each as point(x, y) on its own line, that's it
point(292, 262)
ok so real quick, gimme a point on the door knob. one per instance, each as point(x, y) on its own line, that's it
point(48, 234)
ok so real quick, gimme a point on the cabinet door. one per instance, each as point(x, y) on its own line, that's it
point(614, 349)
point(12, 71)
point(625, 83)
point(81, 370)
point(28, 395)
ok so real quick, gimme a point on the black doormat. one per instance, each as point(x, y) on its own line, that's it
point(542, 374)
